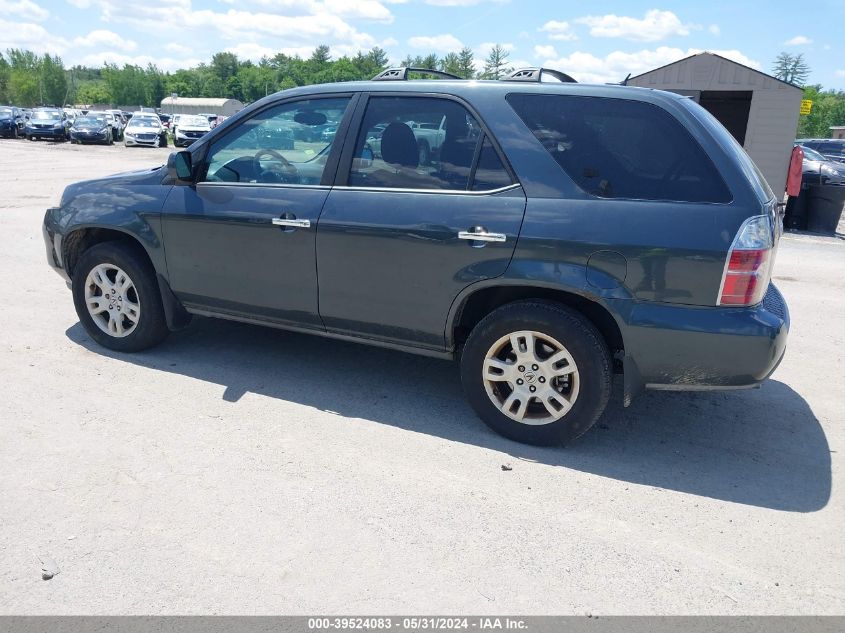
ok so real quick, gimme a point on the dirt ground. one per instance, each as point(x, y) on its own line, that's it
point(239, 470)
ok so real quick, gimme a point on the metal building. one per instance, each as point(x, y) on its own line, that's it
point(760, 111)
point(191, 105)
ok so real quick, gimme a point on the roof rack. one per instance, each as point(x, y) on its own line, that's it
point(401, 73)
point(536, 75)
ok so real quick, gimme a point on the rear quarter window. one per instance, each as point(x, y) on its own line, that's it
point(616, 148)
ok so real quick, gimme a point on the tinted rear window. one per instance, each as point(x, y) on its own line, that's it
point(615, 148)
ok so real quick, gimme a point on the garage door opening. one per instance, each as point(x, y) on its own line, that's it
point(731, 107)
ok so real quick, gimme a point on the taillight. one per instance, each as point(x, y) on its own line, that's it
point(749, 264)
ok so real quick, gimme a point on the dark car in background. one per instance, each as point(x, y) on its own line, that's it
point(50, 123)
point(831, 148)
point(12, 122)
point(92, 128)
point(818, 169)
point(561, 233)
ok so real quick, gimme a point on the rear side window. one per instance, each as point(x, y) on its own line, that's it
point(615, 148)
point(490, 173)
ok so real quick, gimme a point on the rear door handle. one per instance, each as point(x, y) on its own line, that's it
point(478, 234)
point(291, 222)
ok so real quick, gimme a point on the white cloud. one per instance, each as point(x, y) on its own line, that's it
point(460, 3)
point(614, 67)
point(798, 40)
point(655, 25)
point(179, 49)
point(363, 9)
point(105, 38)
point(840, 73)
point(26, 9)
point(714, 30)
point(163, 63)
point(445, 43)
point(545, 51)
point(484, 48)
point(30, 36)
point(560, 31)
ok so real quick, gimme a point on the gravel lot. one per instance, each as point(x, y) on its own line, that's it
point(240, 470)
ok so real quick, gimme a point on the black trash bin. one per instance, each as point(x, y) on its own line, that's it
point(824, 208)
point(796, 210)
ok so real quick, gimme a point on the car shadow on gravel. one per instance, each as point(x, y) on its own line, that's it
point(761, 447)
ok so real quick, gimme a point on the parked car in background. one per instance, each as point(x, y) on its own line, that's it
point(48, 123)
point(545, 247)
point(831, 148)
point(191, 128)
point(820, 170)
point(119, 124)
point(93, 127)
point(145, 129)
point(211, 118)
point(12, 122)
point(174, 124)
point(115, 122)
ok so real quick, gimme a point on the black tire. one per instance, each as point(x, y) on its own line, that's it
point(162, 140)
point(14, 131)
point(580, 338)
point(151, 328)
point(30, 138)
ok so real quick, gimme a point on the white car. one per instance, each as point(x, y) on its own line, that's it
point(174, 123)
point(144, 129)
point(190, 128)
point(119, 124)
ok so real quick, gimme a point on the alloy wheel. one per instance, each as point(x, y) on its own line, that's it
point(531, 377)
point(112, 300)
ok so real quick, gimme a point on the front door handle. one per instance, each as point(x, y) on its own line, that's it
point(291, 223)
point(480, 234)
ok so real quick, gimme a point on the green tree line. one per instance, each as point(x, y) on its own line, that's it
point(28, 79)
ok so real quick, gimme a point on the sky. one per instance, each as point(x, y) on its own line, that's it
point(600, 42)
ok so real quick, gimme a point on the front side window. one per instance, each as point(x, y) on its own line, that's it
point(418, 143)
point(617, 148)
point(285, 144)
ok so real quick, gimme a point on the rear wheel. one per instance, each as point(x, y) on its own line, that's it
point(536, 372)
point(117, 299)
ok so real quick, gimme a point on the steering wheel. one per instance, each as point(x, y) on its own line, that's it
point(284, 173)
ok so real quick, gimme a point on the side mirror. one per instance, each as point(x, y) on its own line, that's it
point(179, 163)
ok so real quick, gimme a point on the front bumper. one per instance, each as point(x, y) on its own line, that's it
point(89, 137)
point(53, 242)
point(141, 140)
point(699, 348)
point(186, 138)
point(46, 132)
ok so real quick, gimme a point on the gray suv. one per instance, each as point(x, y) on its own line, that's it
point(557, 234)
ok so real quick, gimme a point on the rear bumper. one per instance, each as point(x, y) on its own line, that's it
point(697, 348)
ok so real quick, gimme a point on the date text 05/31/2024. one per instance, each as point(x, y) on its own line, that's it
point(416, 623)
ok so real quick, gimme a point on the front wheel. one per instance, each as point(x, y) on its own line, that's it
point(117, 299)
point(536, 372)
